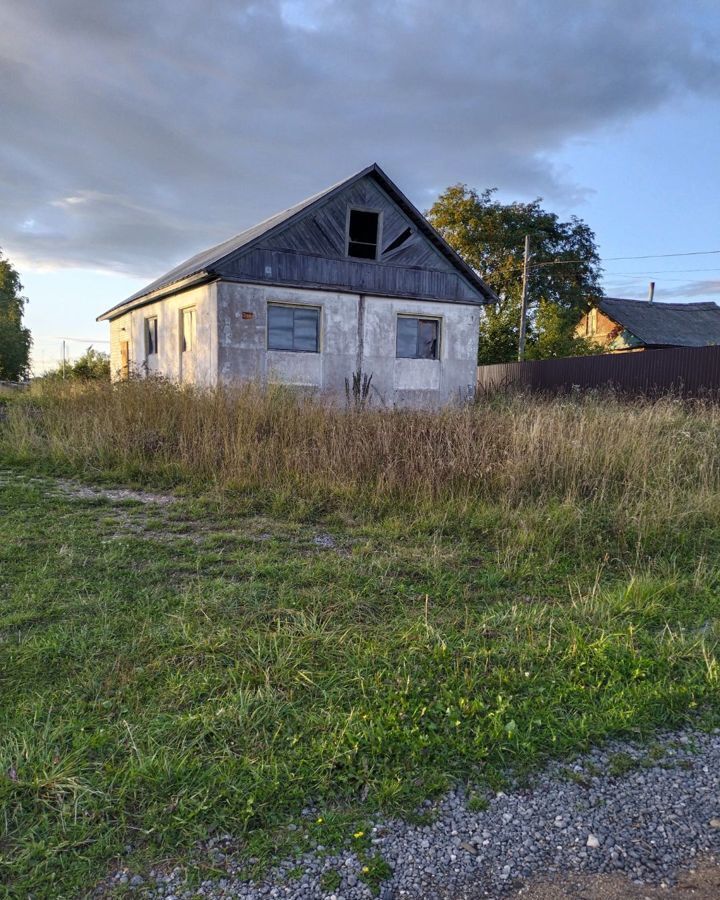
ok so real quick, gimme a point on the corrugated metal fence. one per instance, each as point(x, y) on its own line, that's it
point(693, 371)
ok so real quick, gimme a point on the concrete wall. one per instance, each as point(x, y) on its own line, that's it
point(421, 382)
point(356, 331)
point(198, 367)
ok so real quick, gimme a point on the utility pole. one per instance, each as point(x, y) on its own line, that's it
point(523, 304)
point(63, 364)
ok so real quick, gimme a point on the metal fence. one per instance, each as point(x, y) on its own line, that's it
point(692, 371)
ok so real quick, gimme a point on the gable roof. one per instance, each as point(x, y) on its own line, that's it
point(204, 266)
point(675, 324)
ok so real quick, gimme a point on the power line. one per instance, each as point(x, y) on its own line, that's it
point(663, 271)
point(572, 262)
point(664, 255)
point(45, 337)
point(624, 278)
point(567, 262)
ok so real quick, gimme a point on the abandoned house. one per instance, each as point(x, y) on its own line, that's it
point(617, 324)
point(352, 279)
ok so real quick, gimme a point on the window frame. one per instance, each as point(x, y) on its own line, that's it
point(420, 318)
point(148, 321)
point(182, 335)
point(378, 243)
point(279, 304)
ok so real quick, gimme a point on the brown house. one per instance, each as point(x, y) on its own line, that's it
point(618, 324)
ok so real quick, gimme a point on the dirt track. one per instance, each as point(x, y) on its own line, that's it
point(702, 882)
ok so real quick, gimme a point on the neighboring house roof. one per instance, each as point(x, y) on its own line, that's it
point(674, 324)
point(203, 266)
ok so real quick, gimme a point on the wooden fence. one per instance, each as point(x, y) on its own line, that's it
point(692, 371)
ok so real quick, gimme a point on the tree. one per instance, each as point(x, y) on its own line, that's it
point(490, 237)
point(15, 340)
point(91, 366)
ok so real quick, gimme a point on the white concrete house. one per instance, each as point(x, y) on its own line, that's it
point(352, 279)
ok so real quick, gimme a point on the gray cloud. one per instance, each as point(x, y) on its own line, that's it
point(674, 288)
point(693, 290)
point(135, 133)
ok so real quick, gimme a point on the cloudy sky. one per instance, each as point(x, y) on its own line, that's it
point(134, 133)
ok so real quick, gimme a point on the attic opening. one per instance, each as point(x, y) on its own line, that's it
point(363, 233)
point(399, 241)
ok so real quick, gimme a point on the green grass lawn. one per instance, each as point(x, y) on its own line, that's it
point(169, 672)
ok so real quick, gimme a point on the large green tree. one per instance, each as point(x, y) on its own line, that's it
point(15, 340)
point(564, 270)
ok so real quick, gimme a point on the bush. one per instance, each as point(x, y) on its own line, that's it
point(93, 365)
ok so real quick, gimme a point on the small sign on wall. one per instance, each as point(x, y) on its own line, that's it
point(248, 315)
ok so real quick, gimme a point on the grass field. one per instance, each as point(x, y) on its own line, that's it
point(352, 610)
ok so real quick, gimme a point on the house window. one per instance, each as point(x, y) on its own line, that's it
point(417, 338)
point(293, 328)
point(363, 234)
point(151, 336)
point(187, 329)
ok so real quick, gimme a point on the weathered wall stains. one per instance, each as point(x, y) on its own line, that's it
point(167, 362)
point(346, 338)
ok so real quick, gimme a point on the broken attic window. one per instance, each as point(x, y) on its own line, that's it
point(399, 241)
point(363, 227)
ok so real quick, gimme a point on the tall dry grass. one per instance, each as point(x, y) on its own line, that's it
point(662, 455)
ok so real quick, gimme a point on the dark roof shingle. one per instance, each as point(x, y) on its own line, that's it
point(674, 324)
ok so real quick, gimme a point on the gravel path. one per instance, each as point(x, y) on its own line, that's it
point(80, 491)
point(626, 810)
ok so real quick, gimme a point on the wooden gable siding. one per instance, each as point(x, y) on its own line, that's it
point(311, 251)
point(323, 232)
point(298, 269)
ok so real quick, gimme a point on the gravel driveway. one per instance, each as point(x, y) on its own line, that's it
point(635, 816)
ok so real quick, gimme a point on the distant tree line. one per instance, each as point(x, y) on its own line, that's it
point(91, 366)
point(15, 340)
